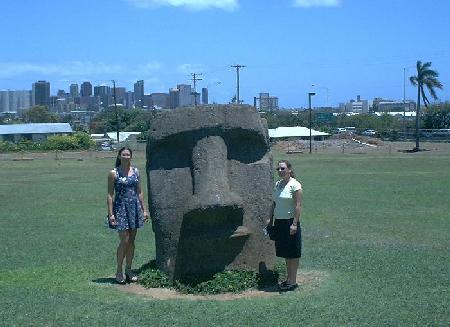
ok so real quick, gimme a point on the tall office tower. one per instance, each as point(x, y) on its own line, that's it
point(61, 94)
point(4, 101)
point(86, 89)
point(120, 94)
point(263, 101)
point(40, 93)
point(23, 100)
point(185, 96)
point(160, 100)
point(104, 93)
point(174, 98)
point(204, 95)
point(74, 92)
point(139, 94)
point(129, 99)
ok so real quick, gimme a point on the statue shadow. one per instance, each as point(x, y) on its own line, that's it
point(205, 246)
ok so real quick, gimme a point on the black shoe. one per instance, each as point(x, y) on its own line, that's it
point(287, 287)
point(119, 279)
point(130, 277)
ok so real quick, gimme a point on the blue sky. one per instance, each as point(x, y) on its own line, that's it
point(344, 48)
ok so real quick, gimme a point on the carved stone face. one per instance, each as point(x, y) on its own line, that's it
point(210, 190)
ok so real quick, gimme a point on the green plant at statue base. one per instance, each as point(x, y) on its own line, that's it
point(229, 281)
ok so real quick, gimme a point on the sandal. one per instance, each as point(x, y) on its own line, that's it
point(130, 276)
point(119, 279)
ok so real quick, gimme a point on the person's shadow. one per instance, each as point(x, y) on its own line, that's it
point(105, 280)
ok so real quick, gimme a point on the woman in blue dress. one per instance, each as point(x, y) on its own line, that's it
point(126, 210)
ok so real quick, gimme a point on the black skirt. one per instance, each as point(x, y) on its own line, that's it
point(286, 245)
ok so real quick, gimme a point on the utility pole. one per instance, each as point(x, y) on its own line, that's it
point(237, 66)
point(404, 103)
point(310, 94)
point(115, 109)
point(195, 79)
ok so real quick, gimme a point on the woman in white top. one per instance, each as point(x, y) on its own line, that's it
point(287, 197)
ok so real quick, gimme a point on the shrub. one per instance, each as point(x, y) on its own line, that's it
point(7, 146)
point(230, 281)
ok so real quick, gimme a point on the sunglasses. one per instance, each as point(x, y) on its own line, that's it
point(281, 168)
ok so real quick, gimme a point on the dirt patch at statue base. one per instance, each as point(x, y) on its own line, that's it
point(310, 279)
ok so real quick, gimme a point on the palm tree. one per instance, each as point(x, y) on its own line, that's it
point(425, 77)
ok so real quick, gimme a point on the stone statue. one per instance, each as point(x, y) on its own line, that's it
point(210, 184)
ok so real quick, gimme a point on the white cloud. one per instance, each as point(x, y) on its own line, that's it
point(316, 3)
point(74, 68)
point(149, 68)
point(190, 68)
point(190, 4)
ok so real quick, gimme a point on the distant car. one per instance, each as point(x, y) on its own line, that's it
point(369, 132)
point(340, 130)
point(106, 146)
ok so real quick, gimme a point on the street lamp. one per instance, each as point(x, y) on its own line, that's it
point(310, 94)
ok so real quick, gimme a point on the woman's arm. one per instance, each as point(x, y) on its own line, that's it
point(298, 197)
point(272, 209)
point(110, 195)
point(140, 193)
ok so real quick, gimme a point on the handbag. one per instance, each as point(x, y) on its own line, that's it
point(272, 232)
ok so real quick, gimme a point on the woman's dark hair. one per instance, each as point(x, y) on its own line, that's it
point(288, 164)
point(120, 152)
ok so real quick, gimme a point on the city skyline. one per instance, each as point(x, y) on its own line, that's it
point(344, 48)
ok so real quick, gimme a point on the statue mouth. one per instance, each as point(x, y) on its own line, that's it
point(215, 222)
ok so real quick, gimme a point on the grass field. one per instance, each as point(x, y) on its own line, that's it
point(377, 229)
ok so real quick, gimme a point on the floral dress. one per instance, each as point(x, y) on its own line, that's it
point(127, 206)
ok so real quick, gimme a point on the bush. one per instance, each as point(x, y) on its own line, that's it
point(7, 147)
point(231, 281)
point(77, 141)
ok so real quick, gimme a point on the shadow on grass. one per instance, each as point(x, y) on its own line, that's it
point(105, 280)
point(414, 150)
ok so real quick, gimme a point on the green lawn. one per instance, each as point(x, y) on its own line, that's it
point(377, 228)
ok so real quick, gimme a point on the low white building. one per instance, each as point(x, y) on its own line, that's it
point(33, 132)
point(296, 131)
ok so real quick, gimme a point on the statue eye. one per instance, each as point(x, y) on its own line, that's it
point(245, 146)
point(172, 152)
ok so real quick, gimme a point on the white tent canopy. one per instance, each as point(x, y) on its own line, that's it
point(296, 131)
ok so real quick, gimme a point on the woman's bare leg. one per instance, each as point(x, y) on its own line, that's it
point(292, 267)
point(130, 249)
point(122, 249)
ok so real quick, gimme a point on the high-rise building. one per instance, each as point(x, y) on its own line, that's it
point(104, 93)
point(61, 94)
point(174, 98)
point(160, 100)
point(86, 89)
point(185, 95)
point(204, 95)
point(74, 92)
point(4, 101)
point(139, 94)
point(40, 93)
point(267, 102)
point(129, 99)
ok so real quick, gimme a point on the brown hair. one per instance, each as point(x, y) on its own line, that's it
point(120, 152)
point(288, 164)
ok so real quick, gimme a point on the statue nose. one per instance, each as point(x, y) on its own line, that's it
point(210, 174)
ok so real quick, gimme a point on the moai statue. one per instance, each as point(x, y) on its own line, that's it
point(210, 184)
